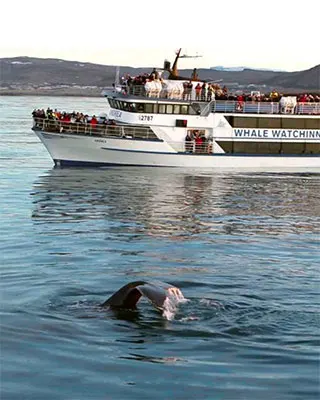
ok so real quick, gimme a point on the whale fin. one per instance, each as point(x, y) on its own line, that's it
point(155, 291)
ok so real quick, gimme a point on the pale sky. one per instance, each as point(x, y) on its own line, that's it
point(259, 34)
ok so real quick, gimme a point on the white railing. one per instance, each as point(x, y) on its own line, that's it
point(102, 130)
point(308, 108)
point(250, 107)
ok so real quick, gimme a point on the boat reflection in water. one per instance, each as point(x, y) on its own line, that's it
point(174, 203)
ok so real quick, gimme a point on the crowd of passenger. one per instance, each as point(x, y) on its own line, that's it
point(71, 118)
point(196, 142)
point(273, 96)
point(206, 91)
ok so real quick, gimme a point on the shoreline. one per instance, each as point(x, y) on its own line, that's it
point(74, 93)
point(96, 93)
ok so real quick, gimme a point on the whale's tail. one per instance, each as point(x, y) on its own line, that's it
point(157, 292)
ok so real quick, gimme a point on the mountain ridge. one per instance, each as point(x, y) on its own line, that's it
point(32, 75)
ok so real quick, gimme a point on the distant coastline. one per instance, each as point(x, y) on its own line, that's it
point(56, 93)
point(29, 76)
point(93, 93)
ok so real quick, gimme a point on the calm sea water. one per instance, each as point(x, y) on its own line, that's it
point(243, 248)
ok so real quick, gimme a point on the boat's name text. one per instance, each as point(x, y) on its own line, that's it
point(277, 133)
point(115, 113)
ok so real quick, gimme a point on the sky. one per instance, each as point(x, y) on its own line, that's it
point(271, 34)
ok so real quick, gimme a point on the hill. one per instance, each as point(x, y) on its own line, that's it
point(27, 75)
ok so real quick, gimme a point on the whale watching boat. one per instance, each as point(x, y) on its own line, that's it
point(162, 119)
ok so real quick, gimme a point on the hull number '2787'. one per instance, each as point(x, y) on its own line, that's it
point(146, 117)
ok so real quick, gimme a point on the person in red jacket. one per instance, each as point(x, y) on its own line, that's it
point(94, 121)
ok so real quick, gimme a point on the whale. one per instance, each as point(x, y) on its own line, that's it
point(157, 292)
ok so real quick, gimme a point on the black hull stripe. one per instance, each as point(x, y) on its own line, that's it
point(211, 154)
point(91, 164)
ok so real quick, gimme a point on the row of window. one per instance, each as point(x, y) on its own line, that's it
point(269, 123)
point(155, 108)
point(269, 147)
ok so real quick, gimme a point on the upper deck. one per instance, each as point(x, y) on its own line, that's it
point(138, 98)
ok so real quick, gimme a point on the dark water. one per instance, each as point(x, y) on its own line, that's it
point(243, 248)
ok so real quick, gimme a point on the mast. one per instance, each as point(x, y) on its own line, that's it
point(174, 71)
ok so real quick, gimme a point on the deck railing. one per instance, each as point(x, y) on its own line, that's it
point(100, 130)
point(308, 108)
point(248, 107)
point(256, 107)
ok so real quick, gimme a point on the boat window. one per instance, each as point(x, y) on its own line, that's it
point(268, 123)
point(184, 109)
point(246, 147)
point(140, 107)
point(243, 122)
point(148, 108)
point(273, 122)
point(169, 109)
point(292, 148)
point(125, 106)
point(155, 108)
point(312, 123)
point(312, 148)
point(293, 123)
point(269, 147)
point(181, 123)
point(176, 109)
point(162, 108)
point(132, 107)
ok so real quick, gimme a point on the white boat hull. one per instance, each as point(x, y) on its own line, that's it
point(83, 150)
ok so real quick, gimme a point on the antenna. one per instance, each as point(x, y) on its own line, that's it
point(189, 56)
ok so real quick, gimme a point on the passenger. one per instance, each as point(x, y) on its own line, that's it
point(189, 141)
point(210, 93)
point(209, 144)
point(204, 92)
point(240, 103)
point(185, 90)
point(274, 95)
point(199, 141)
point(93, 121)
point(189, 90)
point(198, 91)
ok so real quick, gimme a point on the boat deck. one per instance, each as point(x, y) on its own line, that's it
point(219, 106)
